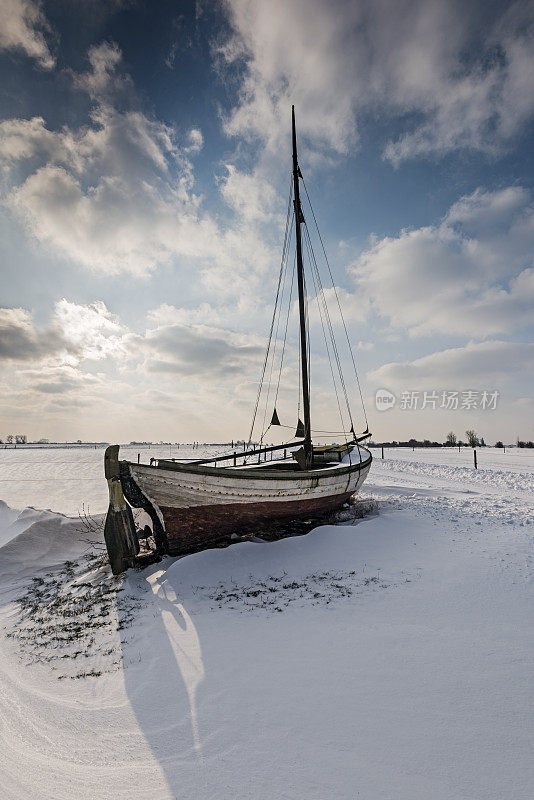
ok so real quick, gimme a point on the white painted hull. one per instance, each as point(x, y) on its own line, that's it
point(174, 489)
point(197, 505)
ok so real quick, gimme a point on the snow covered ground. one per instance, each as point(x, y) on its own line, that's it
point(387, 657)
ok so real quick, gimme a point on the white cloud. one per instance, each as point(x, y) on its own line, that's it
point(23, 28)
point(91, 331)
point(118, 195)
point(19, 340)
point(172, 368)
point(102, 79)
point(353, 308)
point(58, 380)
point(460, 73)
point(477, 365)
point(201, 351)
point(196, 141)
point(468, 275)
point(166, 314)
point(76, 332)
point(250, 195)
point(484, 212)
point(292, 52)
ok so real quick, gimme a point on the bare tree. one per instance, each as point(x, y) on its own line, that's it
point(472, 438)
point(451, 439)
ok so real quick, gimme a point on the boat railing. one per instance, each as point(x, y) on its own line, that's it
point(254, 453)
point(248, 454)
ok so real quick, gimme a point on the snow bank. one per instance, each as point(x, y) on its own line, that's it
point(35, 541)
point(388, 657)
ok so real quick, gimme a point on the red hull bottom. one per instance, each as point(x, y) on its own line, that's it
point(190, 529)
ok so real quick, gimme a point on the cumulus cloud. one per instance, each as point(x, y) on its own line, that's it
point(118, 195)
point(201, 351)
point(76, 332)
point(20, 341)
point(353, 308)
point(476, 366)
point(471, 274)
point(196, 141)
point(90, 331)
point(484, 212)
point(102, 80)
point(57, 380)
point(252, 196)
point(23, 29)
point(456, 77)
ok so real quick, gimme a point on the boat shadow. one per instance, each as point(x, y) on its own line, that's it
point(163, 691)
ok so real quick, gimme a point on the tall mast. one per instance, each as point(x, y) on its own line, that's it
point(299, 218)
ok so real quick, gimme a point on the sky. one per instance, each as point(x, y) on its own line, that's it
point(145, 152)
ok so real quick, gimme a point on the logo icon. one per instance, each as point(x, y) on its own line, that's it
point(384, 399)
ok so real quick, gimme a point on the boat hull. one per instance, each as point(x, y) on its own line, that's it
point(193, 528)
point(199, 507)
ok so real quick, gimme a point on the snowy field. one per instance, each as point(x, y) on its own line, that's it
point(386, 657)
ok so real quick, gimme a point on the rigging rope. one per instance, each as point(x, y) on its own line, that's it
point(273, 357)
point(338, 303)
point(329, 325)
point(308, 247)
point(282, 265)
point(285, 331)
point(326, 325)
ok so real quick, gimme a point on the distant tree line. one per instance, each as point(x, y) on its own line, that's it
point(17, 438)
point(473, 440)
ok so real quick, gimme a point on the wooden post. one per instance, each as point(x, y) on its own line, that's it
point(382, 452)
point(475, 455)
point(235, 459)
point(504, 448)
point(119, 531)
point(138, 457)
point(285, 452)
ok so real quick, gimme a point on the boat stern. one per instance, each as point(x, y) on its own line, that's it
point(119, 531)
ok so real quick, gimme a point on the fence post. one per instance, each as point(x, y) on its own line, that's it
point(138, 457)
point(234, 460)
point(475, 454)
point(382, 452)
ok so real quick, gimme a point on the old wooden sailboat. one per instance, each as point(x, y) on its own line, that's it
point(197, 504)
